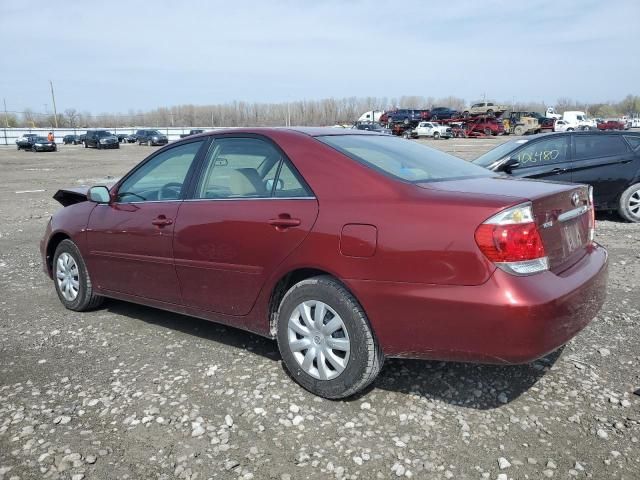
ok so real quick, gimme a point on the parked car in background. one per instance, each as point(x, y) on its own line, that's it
point(429, 257)
point(151, 138)
point(81, 137)
point(406, 116)
point(194, 131)
point(42, 144)
point(71, 139)
point(100, 139)
point(486, 108)
point(608, 161)
point(489, 126)
point(443, 113)
point(563, 126)
point(611, 125)
point(433, 129)
point(122, 137)
point(132, 138)
point(372, 127)
point(25, 142)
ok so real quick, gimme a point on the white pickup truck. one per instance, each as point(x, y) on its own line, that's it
point(432, 129)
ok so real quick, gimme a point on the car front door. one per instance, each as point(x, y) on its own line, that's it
point(130, 239)
point(607, 163)
point(548, 158)
point(249, 211)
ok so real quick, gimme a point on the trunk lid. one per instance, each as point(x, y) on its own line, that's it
point(562, 211)
point(563, 220)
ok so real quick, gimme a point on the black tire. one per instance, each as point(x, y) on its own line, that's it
point(98, 145)
point(624, 205)
point(436, 135)
point(490, 113)
point(85, 144)
point(365, 356)
point(117, 145)
point(434, 118)
point(488, 132)
point(148, 143)
point(86, 299)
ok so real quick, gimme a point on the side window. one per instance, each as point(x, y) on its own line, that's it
point(634, 142)
point(247, 168)
point(162, 177)
point(289, 184)
point(590, 146)
point(545, 152)
point(238, 168)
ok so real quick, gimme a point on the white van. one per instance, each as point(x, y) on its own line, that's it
point(371, 116)
point(579, 120)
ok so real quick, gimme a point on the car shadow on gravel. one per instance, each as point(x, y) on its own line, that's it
point(481, 387)
point(476, 386)
point(204, 329)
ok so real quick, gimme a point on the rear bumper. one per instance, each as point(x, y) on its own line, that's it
point(508, 319)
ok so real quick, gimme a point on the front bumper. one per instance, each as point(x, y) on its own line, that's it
point(508, 319)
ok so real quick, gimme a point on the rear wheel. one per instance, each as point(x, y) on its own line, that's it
point(629, 207)
point(85, 144)
point(148, 143)
point(325, 339)
point(71, 278)
point(487, 132)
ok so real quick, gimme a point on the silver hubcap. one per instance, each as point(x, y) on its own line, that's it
point(634, 203)
point(67, 276)
point(319, 340)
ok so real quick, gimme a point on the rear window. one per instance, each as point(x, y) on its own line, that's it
point(590, 146)
point(403, 159)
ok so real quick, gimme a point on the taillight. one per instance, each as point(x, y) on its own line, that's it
point(511, 240)
point(592, 216)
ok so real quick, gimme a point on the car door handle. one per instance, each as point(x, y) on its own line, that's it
point(161, 221)
point(284, 221)
point(558, 170)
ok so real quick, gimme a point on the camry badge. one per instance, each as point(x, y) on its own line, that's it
point(575, 199)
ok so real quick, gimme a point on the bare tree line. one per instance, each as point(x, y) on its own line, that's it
point(328, 111)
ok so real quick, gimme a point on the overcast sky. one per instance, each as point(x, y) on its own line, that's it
point(130, 54)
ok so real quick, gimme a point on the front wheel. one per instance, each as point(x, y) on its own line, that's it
point(325, 339)
point(71, 279)
point(629, 207)
point(436, 135)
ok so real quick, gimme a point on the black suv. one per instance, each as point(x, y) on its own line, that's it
point(151, 137)
point(443, 113)
point(100, 139)
point(608, 161)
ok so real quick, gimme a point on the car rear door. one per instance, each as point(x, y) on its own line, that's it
point(249, 210)
point(605, 161)
point(130, 239)
point(548, 158)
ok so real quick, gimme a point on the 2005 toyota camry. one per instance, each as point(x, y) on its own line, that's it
point(346, 246)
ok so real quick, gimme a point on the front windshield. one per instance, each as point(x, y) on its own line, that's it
point(41, 139)
point(104, 133)
point(403, 159)
point(497, 153)
point(154, 132)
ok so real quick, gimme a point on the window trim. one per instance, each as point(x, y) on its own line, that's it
point(188, 179)
point(191, 193)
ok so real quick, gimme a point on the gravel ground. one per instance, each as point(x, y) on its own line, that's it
point(130, 392)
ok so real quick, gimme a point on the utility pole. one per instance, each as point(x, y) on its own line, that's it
point(6, 121)
point(53, 98)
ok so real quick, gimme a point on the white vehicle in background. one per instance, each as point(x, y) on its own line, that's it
point(563, 126)
point(371, 116)
point(579, 120)
point(432, 129)
point(635, 122)
point(551, 113)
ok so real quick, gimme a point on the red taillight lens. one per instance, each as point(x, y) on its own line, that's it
point(510, 243)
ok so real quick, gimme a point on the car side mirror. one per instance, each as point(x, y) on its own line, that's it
point(510, 164)
point(99, 194)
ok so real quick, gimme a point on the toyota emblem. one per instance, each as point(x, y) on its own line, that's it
point(575, 199)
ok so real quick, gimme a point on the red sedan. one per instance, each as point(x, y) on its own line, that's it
point(346, 246)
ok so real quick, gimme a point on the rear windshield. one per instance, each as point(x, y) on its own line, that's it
point(404, 159)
